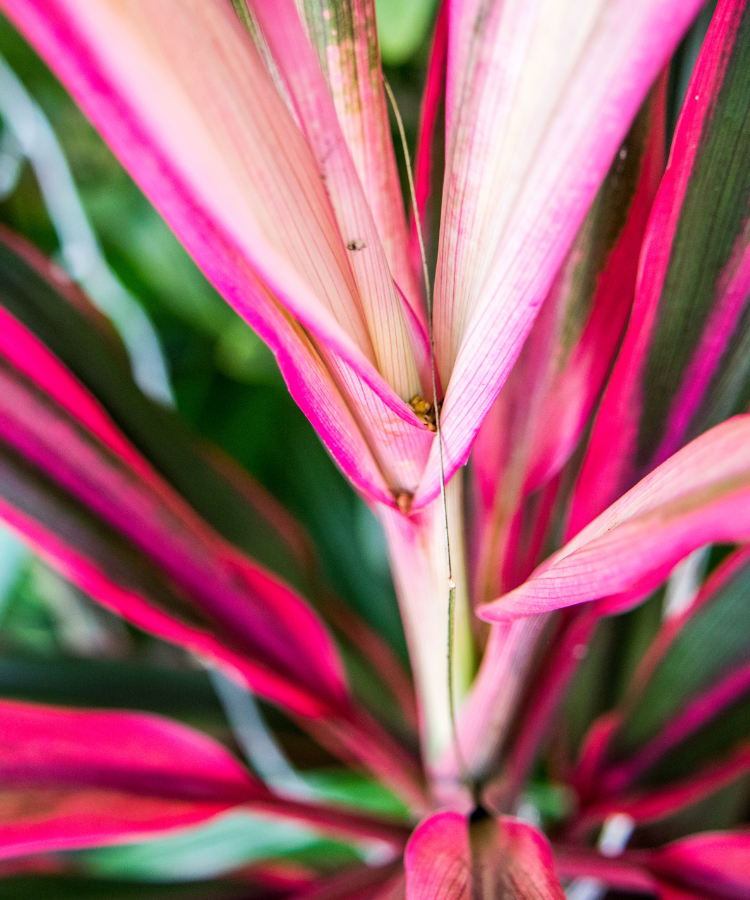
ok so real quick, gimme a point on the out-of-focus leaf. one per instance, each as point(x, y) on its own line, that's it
point(451, 858)
point(713, 740)
point(402, 27)
point(679, 371)
point(718, 863)
point(184, 695)
point(72, 778)
point(70, 439)
point(225, 495)
point(70, 331)
point(79, 778)
point(77, 449)
point(235, 840)
point(701, 649)
point(650, 804)
point(43, 887)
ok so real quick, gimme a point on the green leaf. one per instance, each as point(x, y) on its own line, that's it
point(235, 840)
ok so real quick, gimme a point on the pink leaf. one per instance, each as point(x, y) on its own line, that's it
point(718, 863)
point(620, 874)
point(706, 689)
point(450, 858)
point(312, 101)
point(660, 803)
point(537, 420)
point(76, 778)
point(699, 496)
point(438, 859)
point(122, 489)
point(345, 36)
point(264, 233)
point(536, 115)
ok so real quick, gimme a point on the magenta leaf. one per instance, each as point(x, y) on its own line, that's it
point(716, 863)
point(683, 365)
point(67, 436)
point(650, 805)
point(72, 329)
point(34, 292)
point(697, 667)
point(75, 778)
point(321, 122)
point(344, 34)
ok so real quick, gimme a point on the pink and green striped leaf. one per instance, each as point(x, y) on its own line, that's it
point(711, 864)
point(429, 161)
point(222, 493)
point(540, 97)
point(345, 36)
point(321, 123)
point(537, 420)
point(701, 495)
point(682, 367)
point(652, 804)
point(70, 442)
point(697, 669)
point(264, 233)
point(74, 778)
point(234, 612)
point(81, 778)
point(450, 857)
point(69, 326)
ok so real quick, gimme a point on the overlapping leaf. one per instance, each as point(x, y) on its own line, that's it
point(73, 778)
point(451, 858)
point(66, 322)
point(697, 666)
point(265, 233)
point(714, 864)
point(539, 99)
point(75, 447)
point(683, 365)
point(539, 415)
point(699, 496)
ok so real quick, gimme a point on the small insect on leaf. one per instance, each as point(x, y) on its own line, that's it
point(358, 244)
point(424, 411)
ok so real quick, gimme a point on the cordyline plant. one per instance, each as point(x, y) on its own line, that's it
point(581, 329)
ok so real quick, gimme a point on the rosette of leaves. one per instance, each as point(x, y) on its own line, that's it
point(565, 309)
